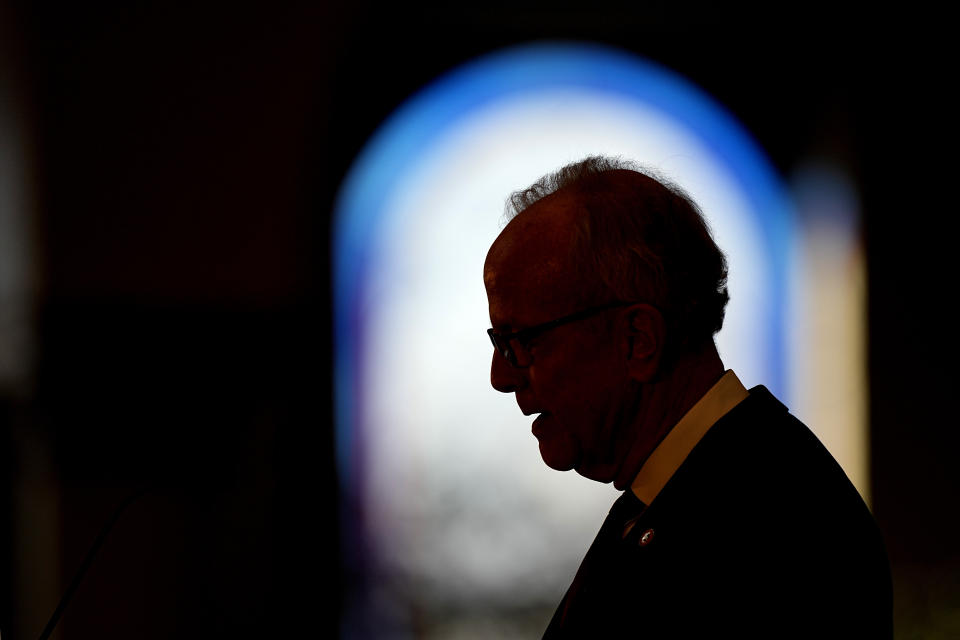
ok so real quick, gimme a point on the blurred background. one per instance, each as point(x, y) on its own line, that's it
point(175, 185)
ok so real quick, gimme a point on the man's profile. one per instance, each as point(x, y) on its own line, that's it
point(605, 291)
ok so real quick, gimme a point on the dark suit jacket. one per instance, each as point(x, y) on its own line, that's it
point(759, 534)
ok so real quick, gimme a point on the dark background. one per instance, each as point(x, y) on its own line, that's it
point(182, 165)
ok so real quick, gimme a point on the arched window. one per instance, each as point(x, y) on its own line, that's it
point(451, 520)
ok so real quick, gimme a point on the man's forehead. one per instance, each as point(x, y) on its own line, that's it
point(527, 275)
point(537, 242)
point(546, 227)
point(531, 260)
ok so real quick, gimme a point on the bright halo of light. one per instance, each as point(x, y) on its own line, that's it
point(458, 509)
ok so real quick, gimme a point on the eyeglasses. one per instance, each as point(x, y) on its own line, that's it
point(502, 342)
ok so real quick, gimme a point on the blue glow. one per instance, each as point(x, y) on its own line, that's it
point(418, 123)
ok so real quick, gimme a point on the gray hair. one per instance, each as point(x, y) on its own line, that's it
point(640, 239)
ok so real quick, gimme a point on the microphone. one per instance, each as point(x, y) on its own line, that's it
point(88, 560)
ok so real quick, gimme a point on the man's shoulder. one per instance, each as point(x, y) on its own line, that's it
point(758, 526)
point(760, 437)
point(759, 462)
point(761, 510)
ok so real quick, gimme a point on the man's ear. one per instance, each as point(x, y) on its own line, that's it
point(646, 334)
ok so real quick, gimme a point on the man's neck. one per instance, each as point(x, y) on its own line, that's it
point(661, 404)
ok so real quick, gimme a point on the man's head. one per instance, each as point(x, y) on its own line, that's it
point(637, 258)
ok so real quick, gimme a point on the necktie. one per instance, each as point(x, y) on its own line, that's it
point(627, 507)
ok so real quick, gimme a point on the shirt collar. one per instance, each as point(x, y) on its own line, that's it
point(660, 466)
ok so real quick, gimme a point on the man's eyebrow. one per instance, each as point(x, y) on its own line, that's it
point(507, 324)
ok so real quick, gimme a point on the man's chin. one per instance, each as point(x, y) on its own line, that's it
point(566, 455)
point(559, 457)
point(605, 473)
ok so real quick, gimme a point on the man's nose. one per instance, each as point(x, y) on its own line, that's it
point(505, 377)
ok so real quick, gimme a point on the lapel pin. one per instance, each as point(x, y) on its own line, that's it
point(646, 538)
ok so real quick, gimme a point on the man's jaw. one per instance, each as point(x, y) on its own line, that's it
point(617, 433)
point(544, 429)
point(606, 472)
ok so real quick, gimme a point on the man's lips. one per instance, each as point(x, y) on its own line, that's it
point(538, 425)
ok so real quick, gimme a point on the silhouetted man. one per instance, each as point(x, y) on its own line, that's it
point(605, 291)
